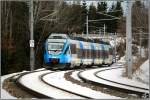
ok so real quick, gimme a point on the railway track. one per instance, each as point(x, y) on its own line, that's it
point(94, 76)
point(44, 90)
point(49, 89)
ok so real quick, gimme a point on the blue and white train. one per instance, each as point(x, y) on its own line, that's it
point(60, 51)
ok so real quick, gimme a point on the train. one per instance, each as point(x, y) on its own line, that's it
point(64, 52)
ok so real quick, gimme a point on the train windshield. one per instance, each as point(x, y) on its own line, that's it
point(55, 46)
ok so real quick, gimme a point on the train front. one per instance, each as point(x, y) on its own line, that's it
point(54, 54)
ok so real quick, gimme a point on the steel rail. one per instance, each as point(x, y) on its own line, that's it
point(36, 93)
point(113, 87)
point(95, 73)
point(32, 92)
point(41, 77)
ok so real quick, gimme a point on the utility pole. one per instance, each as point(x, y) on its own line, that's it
point(87, 29)
point(149, 29)
point(99, 31)
point(140, 40)
point(31, 23)
point(104, 33)
point(104, 30)
point(129, 40)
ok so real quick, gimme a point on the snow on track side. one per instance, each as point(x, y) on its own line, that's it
point(75, 75)
point(89, 75)
point(33, 82)
point(117, 78)
point(57, 79)
point(4, 93)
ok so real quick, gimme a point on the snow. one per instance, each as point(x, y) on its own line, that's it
point(4, 93)
point(118, 41)
point(58, 80)
point(142, 74)
point(116, 75)
point(140, 79)
point(122, 60)
point(29, 81)
point(75, 76)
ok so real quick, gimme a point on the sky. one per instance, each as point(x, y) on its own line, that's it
point(109, 3)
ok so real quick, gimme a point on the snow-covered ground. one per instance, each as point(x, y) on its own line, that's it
point(116, 76)
point(117, 41)
point(75, 75)
point(43, 88)
point(4, 93)
point(57, 79)
point(142, 74)
point(140, 78)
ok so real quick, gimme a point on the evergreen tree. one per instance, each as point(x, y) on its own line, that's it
point(92, 16)
point(15, 56)
point(116, 11)
point(102, 8)
point(83, 17)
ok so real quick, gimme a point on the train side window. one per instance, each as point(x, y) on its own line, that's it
point(110, 50)
point(84, 53)
point(89, 53)
point(79, 53)
point(101, 54)
point(92, 55)
point(96, 52)
point(106, 51)
point(73, 48)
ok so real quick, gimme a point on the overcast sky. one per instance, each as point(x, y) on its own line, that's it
point(109, 3)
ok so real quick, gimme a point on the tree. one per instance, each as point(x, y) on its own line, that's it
point(15, 36)
point(102, 8)
point(140, 22)
point(92, 16)
point(116, 11)
point(83, 15)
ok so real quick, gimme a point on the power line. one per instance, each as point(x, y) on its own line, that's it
point(101, 20)
point(109, 15)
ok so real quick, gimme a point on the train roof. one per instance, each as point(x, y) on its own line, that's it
point(58, 36)
point(66, 36)
point(90, 40)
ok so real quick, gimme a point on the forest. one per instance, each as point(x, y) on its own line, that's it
point(61, 17)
